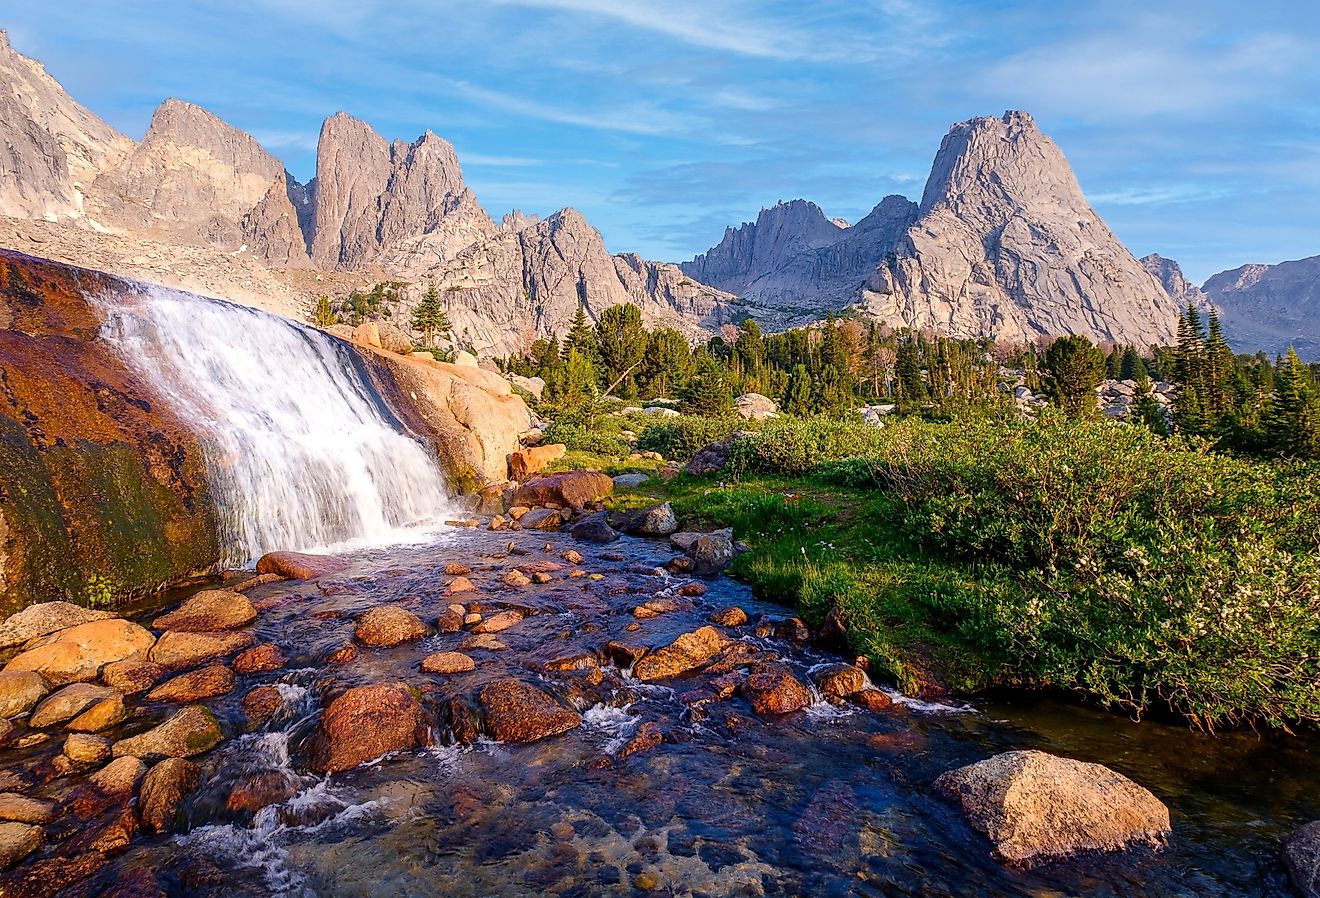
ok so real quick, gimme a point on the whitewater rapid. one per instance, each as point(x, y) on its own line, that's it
point(301, 452)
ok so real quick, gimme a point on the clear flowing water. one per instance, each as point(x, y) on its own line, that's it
point(831, 801)
point(301, 452)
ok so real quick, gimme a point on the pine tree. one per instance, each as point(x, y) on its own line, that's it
point(1219, 370)
point(324, 316)
point(797, 398)
point(620, 343)
point(709, 392)
point(666, 365)
point(582, 336)
point(1291, 422)
point(1146, 409)
point(429, 318)
point(1075, 368)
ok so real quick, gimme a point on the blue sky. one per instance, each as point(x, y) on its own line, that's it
point(1194, 127)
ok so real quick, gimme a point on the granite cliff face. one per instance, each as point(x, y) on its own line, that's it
point(403, 206)
point(194, 179)
point(1003, 244)
point(793, 264)
point(54, 148)
point(1006, 246)
point(1170, 275)
point(1270, 307)
point(528, 279)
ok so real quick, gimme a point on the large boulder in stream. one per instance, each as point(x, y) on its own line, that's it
point(299, 565)
point(210, 609)
point(571, 489)
point(515, 711)
point(1036, 807)
point(105, 492)
point(686, 653)
point(471, 417)
point(1302, 857)
point(78, 653)
point(367, 722)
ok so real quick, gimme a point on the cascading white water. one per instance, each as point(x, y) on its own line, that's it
point(301, 452)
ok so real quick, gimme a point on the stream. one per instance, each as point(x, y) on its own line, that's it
point(834, 800)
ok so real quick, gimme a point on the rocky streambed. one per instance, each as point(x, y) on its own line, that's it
point(523, 712)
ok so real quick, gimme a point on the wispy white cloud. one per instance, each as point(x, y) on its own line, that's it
point(498, 161)
point(702, 26)
point(297, 140)
point(637, 118)
point(1160, 195)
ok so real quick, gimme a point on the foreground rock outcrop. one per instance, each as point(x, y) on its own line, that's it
point(1302, 857)
point(104, 492)
point(1035, 807)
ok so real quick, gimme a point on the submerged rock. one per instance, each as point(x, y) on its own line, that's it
point(1302, 857)
point(108, 787)
point(79, 653)
point(189, 731)
point(515, 711)
point(542, 519)
point(498, 623)
point(388, 625)
point(17, 841)
point(210, 609)
point(1034, 806)
point(684, 654)
point(163, 792)
point(367, 722)
point(299, 566)
point(20, 690)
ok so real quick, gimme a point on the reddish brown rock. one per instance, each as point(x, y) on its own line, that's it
point(692, 590)
point(260, 659)
point(78, 653)
point(657, 607)
point(572, 489)
point(457, 569)
point(836, 681)
point(208, 610)
point(176, 650)
point(189, 731)
point(624, 654)
point(1035, 807)
point(729, 617)
point(459, 585)
point(299, 566)
point(773, 689)
point(648, 737)
point(871, 700)
point(542, 519)
point(515, 711)
point(367, 722)
point(132, 677)
point(208, 682)
point(388, 625)
point(447, 663)
point(498, 623)
point(260, 789)
point(163, 792)
point(344, 654)
point(529, 461)
point(108, 712)
point(684, 654)
point(260, 703)
point(516, 579)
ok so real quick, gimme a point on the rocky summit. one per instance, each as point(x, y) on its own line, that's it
point(1003, 243)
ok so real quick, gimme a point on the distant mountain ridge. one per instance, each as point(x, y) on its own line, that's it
point(1003, 244)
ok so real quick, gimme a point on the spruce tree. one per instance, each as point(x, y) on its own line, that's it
point(1291, 422)
point(581, 336)
point(1146, 409)
point(1075, 368)
point(797, 399)
point(708, 393)
point(324, 316)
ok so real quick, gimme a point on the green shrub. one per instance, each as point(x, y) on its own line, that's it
point(800, 445)
point(591, 440)
point(680, 437)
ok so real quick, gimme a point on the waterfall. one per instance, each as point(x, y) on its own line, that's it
point(301, 452)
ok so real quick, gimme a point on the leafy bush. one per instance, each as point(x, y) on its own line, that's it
point(799, 445)
point(1156, 574)
point(583, 439)
point(682, 436)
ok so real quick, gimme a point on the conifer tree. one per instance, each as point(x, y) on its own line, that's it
point(620, 343)
point(1291, 422)
point(709, 392)
point(1146, 409)
point(429, 318)
point(1075, 368)
point(324, 316)
point(797, 399)
point(581, 336)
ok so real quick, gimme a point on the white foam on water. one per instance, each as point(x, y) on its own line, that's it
point(615, 724)
point(301, 452)
point(926, 707)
